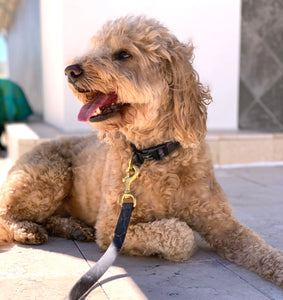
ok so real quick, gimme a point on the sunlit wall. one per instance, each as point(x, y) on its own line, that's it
point(213, 26)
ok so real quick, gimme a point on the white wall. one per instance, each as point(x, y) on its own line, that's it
point(213, 26)
point(52, 62)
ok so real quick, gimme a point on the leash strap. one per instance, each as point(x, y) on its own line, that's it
point(128, 202)
point(88, 280)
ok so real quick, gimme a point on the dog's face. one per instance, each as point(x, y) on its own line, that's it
point(131, 78)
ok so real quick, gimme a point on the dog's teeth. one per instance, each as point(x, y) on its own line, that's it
point(97, 112)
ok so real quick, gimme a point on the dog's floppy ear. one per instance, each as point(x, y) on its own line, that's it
point(189, 97)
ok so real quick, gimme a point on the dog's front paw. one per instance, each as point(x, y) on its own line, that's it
point(171, 239)
point(178, 242)
point(29, 233)
point(70, 228)
point(82, 234)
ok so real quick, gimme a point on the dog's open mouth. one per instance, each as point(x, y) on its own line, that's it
point(100, 107)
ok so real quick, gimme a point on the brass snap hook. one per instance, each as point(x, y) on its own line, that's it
point(134, 170)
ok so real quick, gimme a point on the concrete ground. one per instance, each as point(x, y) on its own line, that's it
point(49, 271)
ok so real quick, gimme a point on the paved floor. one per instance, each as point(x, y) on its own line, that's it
point(49, 271)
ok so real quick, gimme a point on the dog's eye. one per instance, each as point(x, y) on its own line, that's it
point(122, 55)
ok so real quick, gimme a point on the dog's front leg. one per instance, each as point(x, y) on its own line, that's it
point(168, 238)
point(239, 244)
point(35, 187)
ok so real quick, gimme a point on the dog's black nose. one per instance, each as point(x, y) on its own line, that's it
point(73, 72)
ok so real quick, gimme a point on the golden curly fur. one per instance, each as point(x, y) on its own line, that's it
point(157, 98)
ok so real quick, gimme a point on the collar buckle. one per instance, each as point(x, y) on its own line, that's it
point(154, 153)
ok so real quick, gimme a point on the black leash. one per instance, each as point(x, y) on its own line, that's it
point(128, 202)
point(83, 286)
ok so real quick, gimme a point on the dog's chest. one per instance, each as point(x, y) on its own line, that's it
point(156, 192)
point(158, 189)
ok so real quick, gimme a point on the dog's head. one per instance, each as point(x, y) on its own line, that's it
point(138, 78)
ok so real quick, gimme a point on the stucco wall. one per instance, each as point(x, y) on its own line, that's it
point(261, 88)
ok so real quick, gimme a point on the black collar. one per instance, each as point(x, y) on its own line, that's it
point(154, 153)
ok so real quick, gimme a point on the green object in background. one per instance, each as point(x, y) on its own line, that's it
point(14, 106)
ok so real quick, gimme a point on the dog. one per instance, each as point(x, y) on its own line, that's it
point(138, 88)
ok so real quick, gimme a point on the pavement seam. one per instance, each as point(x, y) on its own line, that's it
point(243, 177)
point(81, 252)
point(85, 258)
point(243, 279)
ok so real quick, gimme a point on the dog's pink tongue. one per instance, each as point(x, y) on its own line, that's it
point(100, 101)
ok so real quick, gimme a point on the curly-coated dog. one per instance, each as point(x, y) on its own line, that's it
point(139, 89)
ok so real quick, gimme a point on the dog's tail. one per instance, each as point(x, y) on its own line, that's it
point(6, 236)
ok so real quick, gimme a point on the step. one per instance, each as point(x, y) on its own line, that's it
point(22, 137)
point(227, 147)
point(245, 147)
